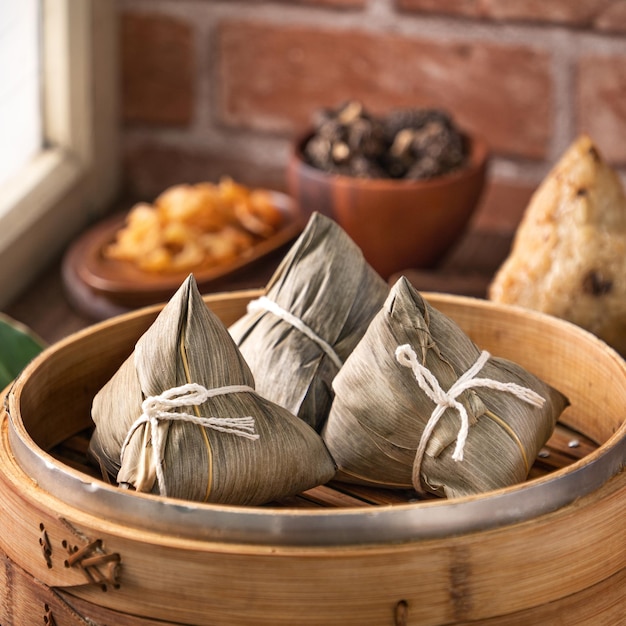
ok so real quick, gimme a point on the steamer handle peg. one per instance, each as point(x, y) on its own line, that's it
point(100, 568)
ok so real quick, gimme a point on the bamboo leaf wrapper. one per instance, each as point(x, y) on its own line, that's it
point(253, 451)
point(380, 411)
point(323, 294)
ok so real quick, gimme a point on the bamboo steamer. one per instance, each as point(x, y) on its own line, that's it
point(75, 550)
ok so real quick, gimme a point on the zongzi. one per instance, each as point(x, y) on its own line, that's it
point(316, 308)
point(418, 404)
point(569, 254)
point(181, 418)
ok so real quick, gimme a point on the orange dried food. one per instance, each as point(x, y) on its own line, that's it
point(226, 245)
point(193, 226)
point(200, 205)
point(140, 235)
point(258, 214)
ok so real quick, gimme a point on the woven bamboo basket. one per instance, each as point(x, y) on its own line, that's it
point(75, 550)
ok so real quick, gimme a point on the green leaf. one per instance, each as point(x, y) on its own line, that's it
point(18, 346)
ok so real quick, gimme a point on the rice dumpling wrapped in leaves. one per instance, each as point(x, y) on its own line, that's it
point(568, 257)
point(181, 418)
point(316, 308)
point(417, 404)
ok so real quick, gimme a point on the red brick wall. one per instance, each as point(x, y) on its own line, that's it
point(212, 88)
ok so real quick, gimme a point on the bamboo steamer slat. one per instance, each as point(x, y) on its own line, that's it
point(33, 602)
point(555, 545)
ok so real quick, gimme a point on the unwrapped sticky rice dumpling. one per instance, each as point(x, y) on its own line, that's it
point(418, 404)
point(181, 418)
point(316, 308)
point(569, 254)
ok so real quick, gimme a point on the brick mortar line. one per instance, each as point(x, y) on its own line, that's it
point(203, 79)
point(230, 143)
point(256, 146)
point(564, 131)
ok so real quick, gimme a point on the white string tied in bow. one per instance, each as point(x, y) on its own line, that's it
point(163, 407)
point(266, 304)
point(406, 356)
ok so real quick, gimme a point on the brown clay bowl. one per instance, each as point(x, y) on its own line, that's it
point(398, 224)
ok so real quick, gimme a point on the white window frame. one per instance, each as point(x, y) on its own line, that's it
point(74, 179)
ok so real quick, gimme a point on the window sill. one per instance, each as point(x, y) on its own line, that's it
point(75, 180)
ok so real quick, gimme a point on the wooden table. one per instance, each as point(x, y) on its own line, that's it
point(46, 308)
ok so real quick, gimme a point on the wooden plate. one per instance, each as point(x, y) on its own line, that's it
point(101, 286)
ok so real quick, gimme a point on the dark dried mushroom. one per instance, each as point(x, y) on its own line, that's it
point(409, 143)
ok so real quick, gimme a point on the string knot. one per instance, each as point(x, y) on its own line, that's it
point(164, 407)
point(266, 304)
point(428, 383)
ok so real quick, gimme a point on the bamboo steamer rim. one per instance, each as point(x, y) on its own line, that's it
point(315, 527)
